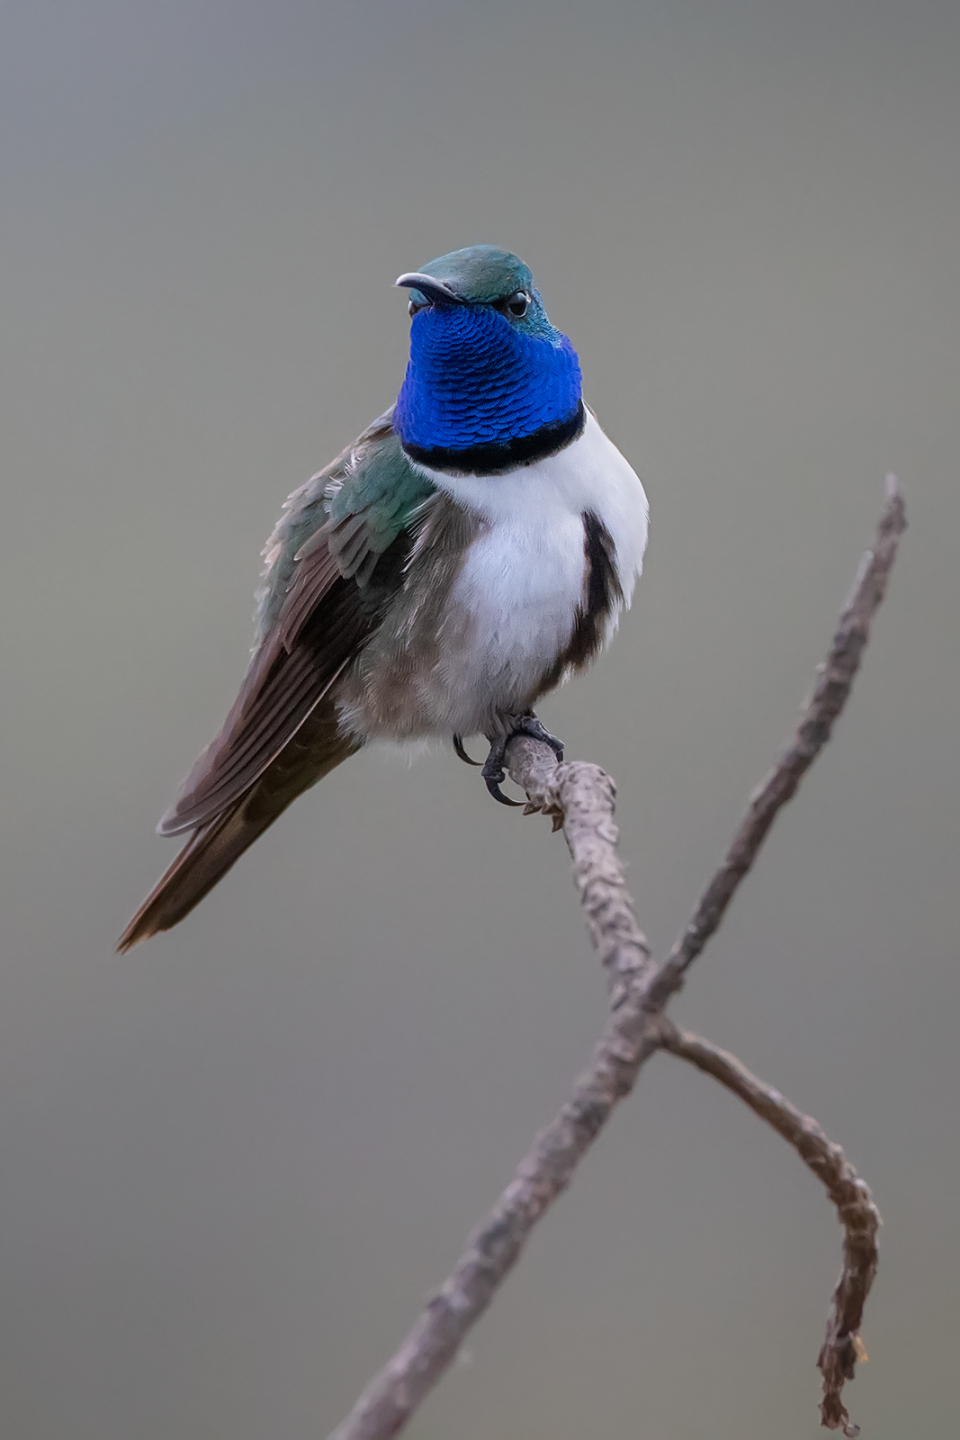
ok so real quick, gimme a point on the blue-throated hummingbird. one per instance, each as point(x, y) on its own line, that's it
point(468, 551)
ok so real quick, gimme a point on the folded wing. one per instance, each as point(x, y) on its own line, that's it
point(334, 561)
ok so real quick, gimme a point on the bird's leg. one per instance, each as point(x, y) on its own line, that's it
point(461, 752)
point(493, 771)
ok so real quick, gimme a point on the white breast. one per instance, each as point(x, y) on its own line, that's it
point(523, 578)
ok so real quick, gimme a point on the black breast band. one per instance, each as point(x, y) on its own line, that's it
point(500, 457)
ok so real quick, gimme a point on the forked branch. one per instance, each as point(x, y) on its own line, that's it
point(582, 797)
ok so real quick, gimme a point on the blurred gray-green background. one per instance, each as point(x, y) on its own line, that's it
point(234, 1161)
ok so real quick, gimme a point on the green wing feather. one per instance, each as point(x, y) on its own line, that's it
point(354, 509)
point(333, 562)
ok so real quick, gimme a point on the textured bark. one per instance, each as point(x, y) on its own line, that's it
point(580, 797)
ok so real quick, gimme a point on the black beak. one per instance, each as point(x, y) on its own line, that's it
point(435, 292)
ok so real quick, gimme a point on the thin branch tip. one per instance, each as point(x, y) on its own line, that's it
point(850, 1194)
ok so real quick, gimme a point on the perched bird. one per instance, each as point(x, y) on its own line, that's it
point(472, 548)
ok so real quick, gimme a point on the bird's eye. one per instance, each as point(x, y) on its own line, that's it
point(518, 303)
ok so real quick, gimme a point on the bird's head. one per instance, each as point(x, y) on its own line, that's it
point(486, 366)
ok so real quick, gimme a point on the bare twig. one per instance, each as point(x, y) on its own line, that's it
point(584, 797)
point(834, 680)
point(856, 1211)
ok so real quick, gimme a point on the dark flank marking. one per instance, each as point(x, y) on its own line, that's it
point(500, 458)
point(602, 593)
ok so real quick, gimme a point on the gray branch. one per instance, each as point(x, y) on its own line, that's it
point(856, 1211)
point(581, 797)
point(834, 678)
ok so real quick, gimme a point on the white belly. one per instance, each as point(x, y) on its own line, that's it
point(514, 603)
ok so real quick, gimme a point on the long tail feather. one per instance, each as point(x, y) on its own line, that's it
point(205, 859)
point(212, 848)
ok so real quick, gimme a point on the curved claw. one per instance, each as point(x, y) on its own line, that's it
point(493, 771)
point(493, 785)
point(461, 752)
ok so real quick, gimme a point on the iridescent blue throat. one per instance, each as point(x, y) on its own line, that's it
point(481, 396)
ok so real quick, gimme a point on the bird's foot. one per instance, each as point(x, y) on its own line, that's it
point(493, 771)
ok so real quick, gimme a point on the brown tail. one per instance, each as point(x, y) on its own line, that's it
point(213, 848)
point(205, 858)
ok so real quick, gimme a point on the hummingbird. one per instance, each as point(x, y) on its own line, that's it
point(469, 551)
